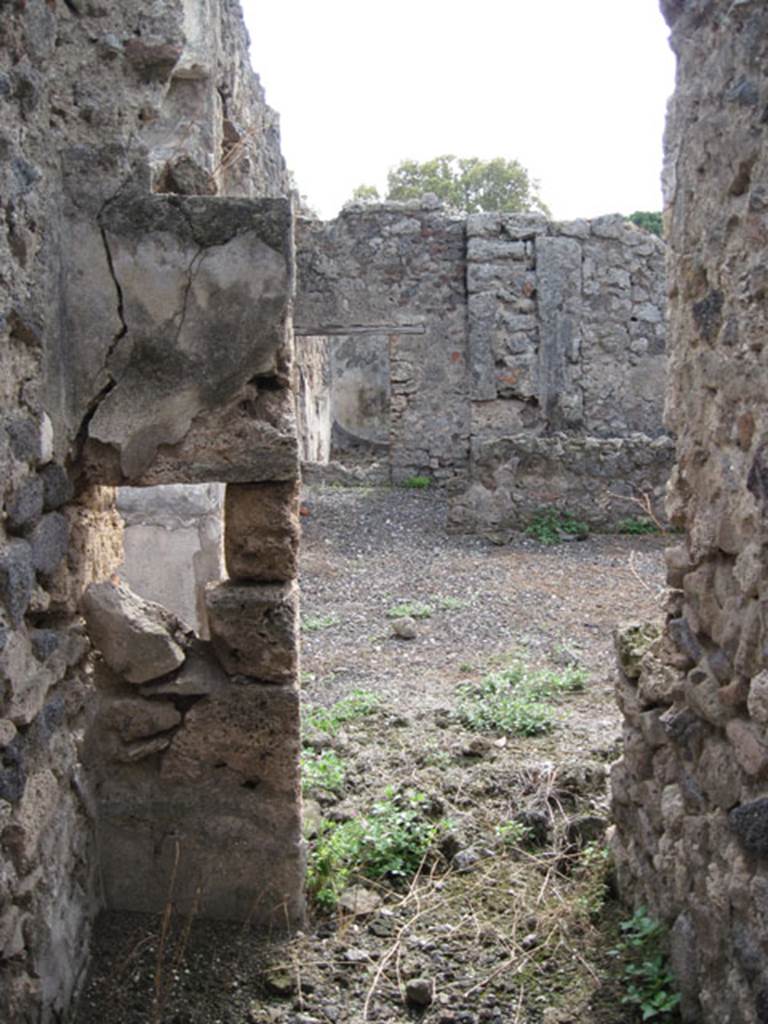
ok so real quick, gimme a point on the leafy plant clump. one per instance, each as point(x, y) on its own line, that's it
point(322, 772)
point(552, 527)
point(391, 842)
point(417, 483)
point(636, 525)
point(359, 704)
point(646, 975)
point(414, 609)
point(515, 700)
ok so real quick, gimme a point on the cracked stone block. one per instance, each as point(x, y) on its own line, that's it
point(205, 283)
point(133, 635)
point(254, 629)
point(261, 531)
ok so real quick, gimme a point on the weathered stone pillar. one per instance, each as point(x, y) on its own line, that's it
point(690, 795)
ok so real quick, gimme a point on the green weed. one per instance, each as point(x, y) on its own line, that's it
point(415, 609)
point(636, 525)
point(515, 700)
point(649, 982)
point(513, 833)
point(322, 772)
point(359, 704)
point(417, 483)
point(314, 623)
point(390, 842)
point(548, 526)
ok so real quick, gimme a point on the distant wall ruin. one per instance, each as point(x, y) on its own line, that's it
point(690, 795)
point(519, 361)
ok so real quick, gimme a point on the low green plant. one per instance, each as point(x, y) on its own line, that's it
point(358, 704)
point(513, 833)
point(415, 609)
point(646, 975)
point(314, 623)
point(636, 525)
point(591, 874)
point(417, 483)
point(515, 700)
point(390, 842)
point(322, 772)
point(548, 526)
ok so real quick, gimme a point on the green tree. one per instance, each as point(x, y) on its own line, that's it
point(650, 220)
point(465, 184)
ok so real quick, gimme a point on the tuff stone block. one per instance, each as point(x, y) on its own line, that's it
point(254, 629)
point(261, 531)
point(134, 636)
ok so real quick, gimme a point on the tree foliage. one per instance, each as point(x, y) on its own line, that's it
point(464, 184)
point(650, 220)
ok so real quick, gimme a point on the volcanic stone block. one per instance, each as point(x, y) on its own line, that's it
point(261, 531)
point(254, 629)
point(226, 805)
point(133, 635)
point(246, 736)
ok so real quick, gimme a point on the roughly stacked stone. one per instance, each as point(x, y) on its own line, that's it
point(521, 361)
point(690, 796)
point(124, 358)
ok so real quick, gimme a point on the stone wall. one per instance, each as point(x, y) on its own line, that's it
point(689, 796)
point(515, 359)
point(140, 177)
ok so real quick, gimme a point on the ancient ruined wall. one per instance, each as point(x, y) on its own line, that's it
point(524, 363)
point(689, 795)
point(396, 271)
point(118, 352)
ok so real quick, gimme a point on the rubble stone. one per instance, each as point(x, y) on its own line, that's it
point(132, 635)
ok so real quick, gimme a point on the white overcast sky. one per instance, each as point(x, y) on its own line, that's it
point(573, 89)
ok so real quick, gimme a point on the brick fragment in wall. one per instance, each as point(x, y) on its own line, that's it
point(261, 531)
point(254, 629)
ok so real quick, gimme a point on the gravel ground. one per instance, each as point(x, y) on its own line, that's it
point(496, 931)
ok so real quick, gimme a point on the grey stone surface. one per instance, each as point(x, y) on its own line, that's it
point(699, 861)
point(17, 579)
point(558, 328)
point(135, 637)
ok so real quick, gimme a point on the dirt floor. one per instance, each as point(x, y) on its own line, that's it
point(512, 919)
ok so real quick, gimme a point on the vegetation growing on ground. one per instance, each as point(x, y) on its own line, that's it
point(390, 842)
point(549, 526)
point(412, 609)
point(516, 700)
point(321, 772)
point(636, 525)
point(464, 184)
point(648, 981)
point(315, 623)
point(358, 704)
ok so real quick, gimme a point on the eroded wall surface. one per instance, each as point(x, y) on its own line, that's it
point(690, 795)
point(140, 185)
point(515, 359)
